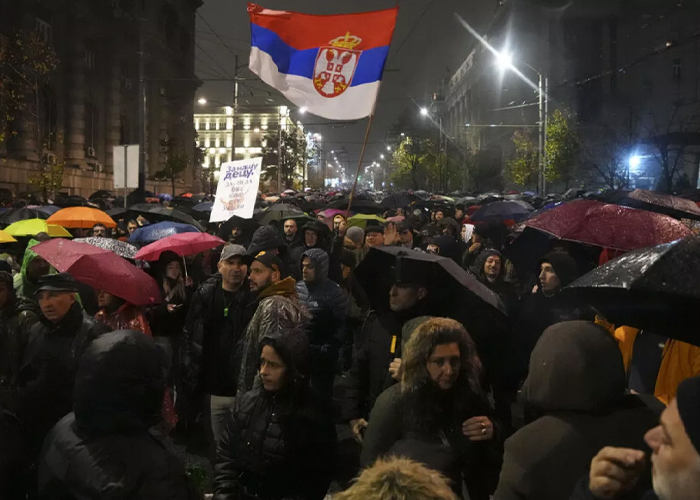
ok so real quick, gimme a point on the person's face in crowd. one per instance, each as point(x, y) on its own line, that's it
point(374, 239)
point(5, 294)
point(236, 232)
point(173, 270)
point(463, 233)
point(99, 231)
point(439, 216)
point(399, 211)
point(492, 267)
point(675, 461)
point(272, 369)
point(233, 272)
point(37, 268)
point(290, 229)
point(459, 214)
point(55, 305)
point(339, 224)
point(433, 248)
point(402, 297)
point(261, 276)
point(310, 238)
point(549, 281)
point(347, 271)
point(131, 227)
point(406, 237)
point(308, 270)
point(104, 299)
point(444, 364)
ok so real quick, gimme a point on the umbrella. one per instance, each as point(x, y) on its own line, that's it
point(121, 248)
point(397, 200)
point(611, 226)
point(6, 237)
point(452, 291)
point(182, 244)
point(278, 212)
point(678, 208)
point(361, 220)
point(49, 209)
point(165, 196)
point(102, 193)
point(329, 213)
point(654, 288)
point(18, 214)
point(467, 200)
point(32, 227)
point(289, 191)
point(248, 226)
point(100, 269)
point(81, 217)
point(500, 211)
point(155, 232)
point(205, 206)
point(159, 213)
point(360, 206)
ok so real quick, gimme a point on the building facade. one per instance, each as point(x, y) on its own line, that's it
point(91, 103)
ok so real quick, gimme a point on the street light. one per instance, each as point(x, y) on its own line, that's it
point(424, 112)
point(504, 60)
point(388, 148)
point(302, 110)
point(381, 156)
point(635, 161)
point(202, 101)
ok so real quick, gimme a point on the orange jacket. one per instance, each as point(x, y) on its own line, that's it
point(679, 360)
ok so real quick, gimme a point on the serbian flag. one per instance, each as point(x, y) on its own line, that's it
point(330, 65)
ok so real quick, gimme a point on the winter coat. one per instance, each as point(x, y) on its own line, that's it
point(23, 286)
point(16, 321)
point(48, 370)
point(103, 449)
point(377, 345)
point(328, 307)
point(203, 326)
point(417, 420)
point(333, 246)
point(13, 466)
point(679, 361)
point(577, 384)
point(268, 238)
point(277, 445)
point(505, 290)
point(278, 309)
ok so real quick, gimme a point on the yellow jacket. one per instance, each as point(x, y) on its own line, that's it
point(679, 360)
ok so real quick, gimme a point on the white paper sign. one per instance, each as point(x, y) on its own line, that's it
point(237, 190)
point(126, 166)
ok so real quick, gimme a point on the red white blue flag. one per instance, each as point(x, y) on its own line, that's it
point(330, 65)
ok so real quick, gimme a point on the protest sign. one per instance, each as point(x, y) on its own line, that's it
point(237, 190)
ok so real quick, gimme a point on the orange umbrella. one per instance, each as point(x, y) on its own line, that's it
point(81, 217)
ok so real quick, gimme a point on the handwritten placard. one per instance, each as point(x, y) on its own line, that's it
point(237, 190)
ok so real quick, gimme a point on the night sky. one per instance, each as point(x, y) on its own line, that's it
point(428, 45)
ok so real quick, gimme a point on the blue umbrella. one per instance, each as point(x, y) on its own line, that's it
point(204, 206)
point(165, 197)
point(500, 211)
point(49, 209)
point(155, 232)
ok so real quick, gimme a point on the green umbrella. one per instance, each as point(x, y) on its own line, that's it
point(361, 220)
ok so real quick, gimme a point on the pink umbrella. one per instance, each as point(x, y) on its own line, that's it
point(182, 244)
point(332, 212)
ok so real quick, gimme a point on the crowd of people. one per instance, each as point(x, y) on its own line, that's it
point(275, 349)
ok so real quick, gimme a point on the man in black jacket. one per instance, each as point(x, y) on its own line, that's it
point(317, 235)
point(56, 343)
point(377, 360)
point(216, 320)
point(326, 331)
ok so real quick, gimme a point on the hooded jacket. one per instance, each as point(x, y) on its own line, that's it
point(48, 370)
point(417, 420)
point(325, 241)
point(278, 308)
point(505, 290)
point(266, 238)
point(24, 287)
point(118, 391)
point(577, 384)
point(277, 445)
point(326, 303)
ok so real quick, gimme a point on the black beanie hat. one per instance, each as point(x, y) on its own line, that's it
point(688, 400)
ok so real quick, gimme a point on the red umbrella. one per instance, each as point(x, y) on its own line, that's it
point(182, 244)
point(610, 226)
point(100, 269)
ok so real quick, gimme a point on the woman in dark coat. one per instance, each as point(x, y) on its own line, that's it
point(437, 414)
point(277, 445)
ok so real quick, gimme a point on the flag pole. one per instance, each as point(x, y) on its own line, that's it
point(359, 165)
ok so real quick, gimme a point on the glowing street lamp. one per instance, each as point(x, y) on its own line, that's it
point(302, 110)
point(504, 60)
point(202, 101)
point(424, 111)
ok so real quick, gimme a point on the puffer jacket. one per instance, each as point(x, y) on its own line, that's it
point(328, 307)
point(277, 445)
point(47, 374)
point(118, 390)
point(327, 241)
point(278, 309)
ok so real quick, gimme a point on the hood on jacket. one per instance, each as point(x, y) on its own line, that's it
point(21, 281)
point(292, 345)
point(564, 265)
point(448, 246)
point(285, 287)
point(575, 366)
point(119, 384)
point(478, 268)
point(417, 351)
point(322, 231)
point(266, 238)
point(321, 263)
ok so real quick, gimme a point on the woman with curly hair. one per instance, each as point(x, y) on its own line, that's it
point(438, 414)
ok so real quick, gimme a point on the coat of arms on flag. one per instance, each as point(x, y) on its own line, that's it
point(330, 65)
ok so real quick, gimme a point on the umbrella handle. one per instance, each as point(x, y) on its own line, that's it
point(184, 264)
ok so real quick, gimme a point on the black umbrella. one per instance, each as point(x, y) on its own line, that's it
point(654, 288)
point(18, 214)
point(673, 206)
point(452, 291)
point(278, 212)
point(397, 200)
point(157, 213)
point(102, 193)
point(248, 226)
point(359, 206)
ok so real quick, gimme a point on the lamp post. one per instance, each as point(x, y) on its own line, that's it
point(505, 61)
